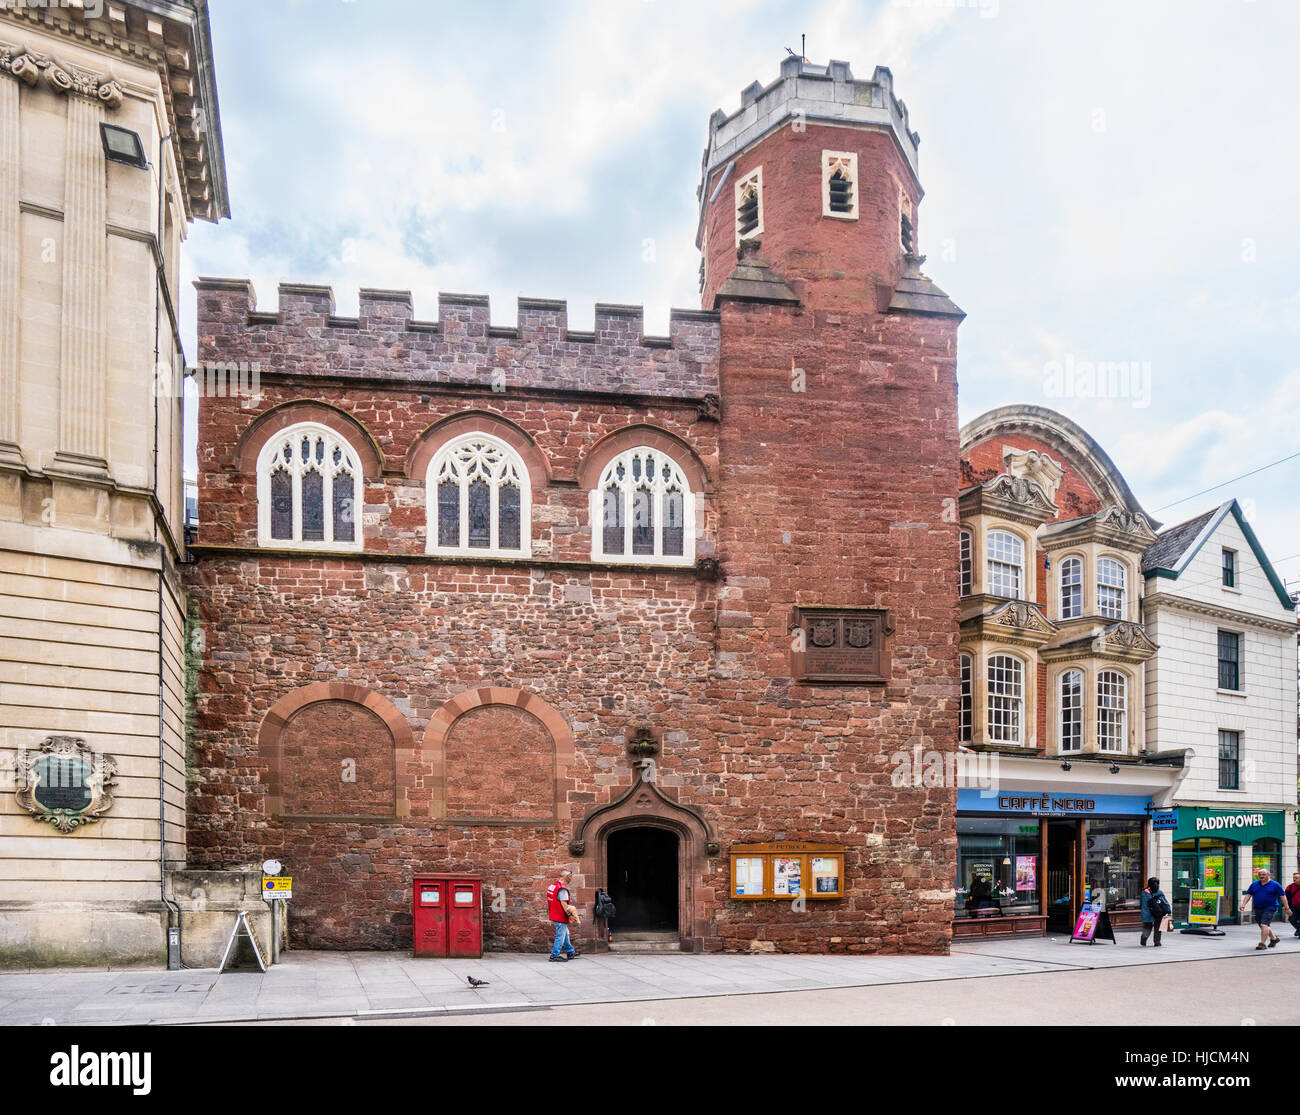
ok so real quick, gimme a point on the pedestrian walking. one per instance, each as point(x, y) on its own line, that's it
point(1293, 899)
point(1155, 908)
point(1264, 894)
point(562, 914)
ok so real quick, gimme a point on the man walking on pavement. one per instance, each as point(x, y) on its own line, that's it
point(1264, 894)
point(1293, 899)
point(560, 912)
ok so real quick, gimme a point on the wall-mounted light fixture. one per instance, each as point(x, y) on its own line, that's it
point(121, 145)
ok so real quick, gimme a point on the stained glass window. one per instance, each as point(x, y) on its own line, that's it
point(483, 502)
point(309, 489)
point(646, 509)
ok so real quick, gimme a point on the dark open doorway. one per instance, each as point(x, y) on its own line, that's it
point(643, 879)
point(1062, 856)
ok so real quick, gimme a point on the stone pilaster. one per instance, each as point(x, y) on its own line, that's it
point(10, 149)
point(83, 375)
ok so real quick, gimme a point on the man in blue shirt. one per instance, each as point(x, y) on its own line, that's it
point(1264, 894)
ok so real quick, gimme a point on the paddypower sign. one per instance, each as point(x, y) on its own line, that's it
point(1242, 825)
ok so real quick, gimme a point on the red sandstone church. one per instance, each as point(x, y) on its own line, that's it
point(499, 600)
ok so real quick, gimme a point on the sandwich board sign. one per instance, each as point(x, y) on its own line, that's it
point(1093, 925)
point(1203, 907)
point(242, 931)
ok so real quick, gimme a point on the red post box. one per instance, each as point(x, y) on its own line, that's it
point(465, 917)
point(447, 912)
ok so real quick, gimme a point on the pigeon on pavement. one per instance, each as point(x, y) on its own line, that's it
point(476, 982)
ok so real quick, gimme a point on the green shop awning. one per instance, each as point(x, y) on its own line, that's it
point(1245, 826)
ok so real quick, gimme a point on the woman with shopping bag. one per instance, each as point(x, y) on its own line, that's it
point(1156, 912)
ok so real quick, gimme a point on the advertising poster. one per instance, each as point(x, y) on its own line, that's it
point(1026, 872)
point(826, 874)
point(786, 878)
point(1203, 907)
point(1260, 863)
point(1214, 872)
point(1086, 926)
point(749, 876)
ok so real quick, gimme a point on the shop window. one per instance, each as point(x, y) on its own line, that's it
point(964, 709)
point(308, 490)
point(1111, 585)
point(1266, 855)
point(1006, 564)
point(964, 562)
point(1006, 699)
point(1229, 760)
point(1071, 588)
point(998, 867)
point(1113, 863)
point(1229, 660)
point(1112, 711)
point(1071, 711)
point(479, 499)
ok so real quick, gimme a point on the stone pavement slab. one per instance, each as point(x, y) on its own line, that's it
point(306, 985)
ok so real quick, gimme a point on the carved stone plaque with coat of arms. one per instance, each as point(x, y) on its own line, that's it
point(840, 645)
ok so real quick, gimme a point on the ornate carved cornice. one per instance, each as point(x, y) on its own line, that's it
point(1012, 621)
point(1125, 530)
point(29, 67)
point(1154, 601)
point(1117, 642)
point(1009, 497)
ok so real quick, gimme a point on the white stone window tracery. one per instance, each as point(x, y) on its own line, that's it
point(479, 499)
point(1006, 564)
point(1071, 588)
point(749, 206)
point(309, 490)
point(1112, 711)
point(1111, 584)
point(1071, 711)
point(1006, 699)
point(840, 185)
point(643, 510)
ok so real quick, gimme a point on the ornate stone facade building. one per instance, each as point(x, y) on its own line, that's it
point(110, 144)
point(497, 599)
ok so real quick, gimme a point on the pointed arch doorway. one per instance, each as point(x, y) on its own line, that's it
point(656, 852)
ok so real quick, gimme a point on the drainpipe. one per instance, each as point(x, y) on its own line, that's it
point(173, 910)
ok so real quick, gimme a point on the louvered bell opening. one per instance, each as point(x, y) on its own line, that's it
point(841, 191)
point(747, 214)
point(905, 232)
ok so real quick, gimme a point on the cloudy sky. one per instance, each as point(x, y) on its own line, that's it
point(1114, 182)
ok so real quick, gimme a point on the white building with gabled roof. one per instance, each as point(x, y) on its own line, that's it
point(1222, 688)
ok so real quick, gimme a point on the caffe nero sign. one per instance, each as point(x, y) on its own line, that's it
point(1242, 825)
point(1038, 803)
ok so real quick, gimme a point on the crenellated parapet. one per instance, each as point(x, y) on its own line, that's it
point(305, 336)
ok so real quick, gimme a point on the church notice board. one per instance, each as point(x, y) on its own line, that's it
point(787, 870)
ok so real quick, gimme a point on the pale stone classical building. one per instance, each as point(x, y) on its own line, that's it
point(110, 145)
point(1222, 689)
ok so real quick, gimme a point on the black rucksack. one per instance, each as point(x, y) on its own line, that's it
point(1158, 906)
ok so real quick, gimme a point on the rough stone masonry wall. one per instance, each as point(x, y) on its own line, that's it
point(835, 496)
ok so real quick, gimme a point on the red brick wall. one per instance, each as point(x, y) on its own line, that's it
point(500, 763)
point(829, 262)
point(337, 758)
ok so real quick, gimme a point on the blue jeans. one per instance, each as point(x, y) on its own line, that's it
point(562, 942)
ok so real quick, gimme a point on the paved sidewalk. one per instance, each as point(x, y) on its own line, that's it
point(377, 985)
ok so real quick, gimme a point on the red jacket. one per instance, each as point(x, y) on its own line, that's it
point(557, 897)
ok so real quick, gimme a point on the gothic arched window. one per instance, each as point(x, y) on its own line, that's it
point(479, 499)
point(309, 490)
point(643, 510)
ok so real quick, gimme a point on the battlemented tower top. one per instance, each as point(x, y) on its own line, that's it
point(827, 94)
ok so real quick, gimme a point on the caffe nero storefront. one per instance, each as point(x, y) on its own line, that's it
point(1027, 859)
point(1224, 849)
